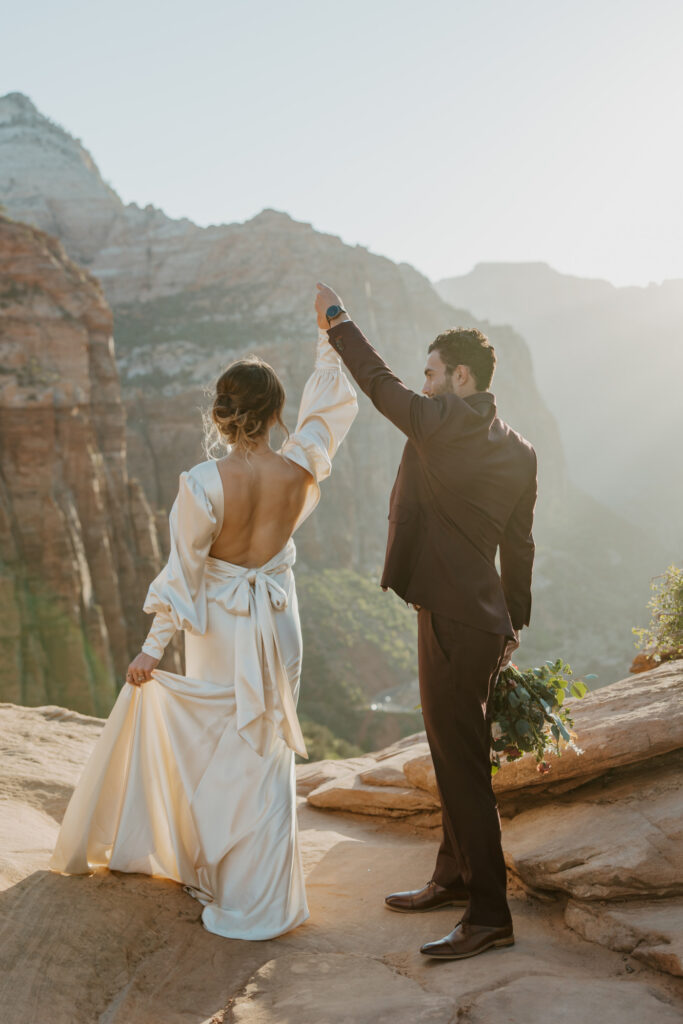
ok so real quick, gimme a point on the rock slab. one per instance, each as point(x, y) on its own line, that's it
point(561, 1000)
point(336, 988)
point(651, 932)
point(620, 841)
point(350, 793)
point(633, 720)
point(129, 949)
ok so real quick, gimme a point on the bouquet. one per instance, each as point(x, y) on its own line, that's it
point(528, 713)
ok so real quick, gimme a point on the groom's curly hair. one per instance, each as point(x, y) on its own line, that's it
point(466, 346)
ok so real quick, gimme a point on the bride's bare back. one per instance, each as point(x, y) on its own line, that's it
point(264, 496)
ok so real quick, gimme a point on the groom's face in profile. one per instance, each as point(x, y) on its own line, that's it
point(438, 381)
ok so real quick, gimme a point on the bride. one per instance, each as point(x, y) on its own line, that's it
point(192, 778)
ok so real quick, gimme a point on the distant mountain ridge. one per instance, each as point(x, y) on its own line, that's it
point(187, 300)
point(621, 351)
point(80, 208)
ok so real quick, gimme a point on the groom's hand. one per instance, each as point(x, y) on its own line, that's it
point(510, 647)
point(325, 298)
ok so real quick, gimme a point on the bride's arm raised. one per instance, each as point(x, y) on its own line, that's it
point(328, 408)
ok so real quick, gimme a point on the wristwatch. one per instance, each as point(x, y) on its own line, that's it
point(333, 311)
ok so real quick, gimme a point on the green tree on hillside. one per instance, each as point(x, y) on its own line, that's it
point(357, 642)
point(663, 638)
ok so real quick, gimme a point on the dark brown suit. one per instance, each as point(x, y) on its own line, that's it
point(466, 486)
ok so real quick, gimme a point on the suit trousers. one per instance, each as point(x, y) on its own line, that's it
point(458, 667)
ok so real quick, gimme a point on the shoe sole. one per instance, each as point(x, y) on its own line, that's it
point(464, 956)
point(426, 910)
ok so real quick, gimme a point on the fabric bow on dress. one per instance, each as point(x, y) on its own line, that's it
point(263, 692)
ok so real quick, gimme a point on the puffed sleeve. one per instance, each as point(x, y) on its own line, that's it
point(178, 594)
point(328, 408)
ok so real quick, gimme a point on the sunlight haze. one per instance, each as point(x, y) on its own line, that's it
point(439, 134)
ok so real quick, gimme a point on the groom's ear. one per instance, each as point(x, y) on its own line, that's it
point(462, 378)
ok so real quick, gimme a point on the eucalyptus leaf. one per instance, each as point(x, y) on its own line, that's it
point(528, 709)
point(563, 732)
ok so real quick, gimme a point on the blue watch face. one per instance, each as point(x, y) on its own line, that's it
point(333, 311)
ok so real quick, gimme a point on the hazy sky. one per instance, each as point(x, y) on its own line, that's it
point(439, 132)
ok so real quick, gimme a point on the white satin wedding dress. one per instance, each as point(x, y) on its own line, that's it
point(192, 778)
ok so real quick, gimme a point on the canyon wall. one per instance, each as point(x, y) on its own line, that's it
point(77, 537)
point(188, 300)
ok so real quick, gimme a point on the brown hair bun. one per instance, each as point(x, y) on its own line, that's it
point(249, 395)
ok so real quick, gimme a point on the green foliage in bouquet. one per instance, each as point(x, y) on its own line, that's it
point(663, 638)
point(529, 715)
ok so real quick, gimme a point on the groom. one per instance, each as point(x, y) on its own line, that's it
point(466, 486)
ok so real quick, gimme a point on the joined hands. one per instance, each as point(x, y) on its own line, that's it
point(325, 298)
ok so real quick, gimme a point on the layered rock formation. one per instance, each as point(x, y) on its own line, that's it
point(77, 205)
point(604, 825)
point(129, 949)
point(77, 539)
point(187, 300)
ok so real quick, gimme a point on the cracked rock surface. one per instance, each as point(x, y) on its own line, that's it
point(623, 839)
point(129, 949)
point(650, 930)
point(605, 825)
point(630, 722)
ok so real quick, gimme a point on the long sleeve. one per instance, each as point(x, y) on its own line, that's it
point(416, 415)
point(178, 595)
point(517, 555)
point(328, 408)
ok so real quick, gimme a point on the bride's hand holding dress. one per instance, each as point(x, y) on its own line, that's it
point(140, 669)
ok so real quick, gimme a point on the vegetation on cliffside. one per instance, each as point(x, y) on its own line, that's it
point(358, 641)
point(663, 638)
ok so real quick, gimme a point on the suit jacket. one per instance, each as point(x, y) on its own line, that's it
point(466, 486)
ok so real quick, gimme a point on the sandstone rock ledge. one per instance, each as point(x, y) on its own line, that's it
point(128, 949)
point(603, 825)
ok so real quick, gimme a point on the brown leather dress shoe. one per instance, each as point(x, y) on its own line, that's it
point(467, 940)
point(430, 897)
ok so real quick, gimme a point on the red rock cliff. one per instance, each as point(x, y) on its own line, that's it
point(78, 543)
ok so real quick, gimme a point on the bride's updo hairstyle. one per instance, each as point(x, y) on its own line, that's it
point(249, 396)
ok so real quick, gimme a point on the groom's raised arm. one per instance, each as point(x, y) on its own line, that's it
point(414, 414)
